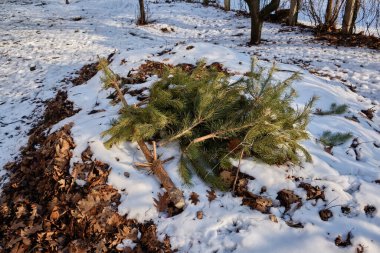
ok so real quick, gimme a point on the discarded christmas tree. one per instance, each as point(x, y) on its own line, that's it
point(214, 120)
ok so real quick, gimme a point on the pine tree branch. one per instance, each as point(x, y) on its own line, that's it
point(120, 93)
point(156, 165)
point(180, 134)
point(218, 134)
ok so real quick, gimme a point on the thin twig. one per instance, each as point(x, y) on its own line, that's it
point(168, 159)
point(154, 151)
point(142, 165)
point(237, 171)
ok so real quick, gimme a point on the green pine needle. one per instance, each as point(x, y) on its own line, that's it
point(329, 139)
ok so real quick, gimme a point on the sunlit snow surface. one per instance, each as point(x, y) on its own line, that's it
point(59, 49)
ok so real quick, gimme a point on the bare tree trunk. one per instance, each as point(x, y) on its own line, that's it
point(348, 15)
point(355, 16)
point(329, 15)
point(292, 18)
point(227, 5)
point(299, 3)
point(67, 1)
point(256, 29)
point(258, 16)
point(142, 18)
point(205, 2)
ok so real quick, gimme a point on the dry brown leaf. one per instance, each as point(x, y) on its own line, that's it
point(55, 214)
point(199, 215)
point(194, 198)
point(87, 154)
point(313, 192)
point(17, 225)
point(19, 248)
point(287, 198)
point(21, 210)
point(31, 230)
point(211, 195)
point(273, 218)
point(340, 242)
point(34, 212)
point(162, 202)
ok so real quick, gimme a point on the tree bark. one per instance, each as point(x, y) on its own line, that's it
point(292, 19)
point(348, 15)
point(205, 2)
point(355, 16)
point(67, 1)
point(329, 15)
point(227, 5)
point(142, 18)
point(258, 16)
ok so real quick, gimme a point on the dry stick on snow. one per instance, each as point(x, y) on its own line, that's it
point(155, 164)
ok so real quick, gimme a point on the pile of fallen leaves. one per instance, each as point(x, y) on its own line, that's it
point(44, 209)
point(351, 40)
point(56, 109)
point(87, 72)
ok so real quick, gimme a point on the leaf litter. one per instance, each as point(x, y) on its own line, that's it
point(43, 208)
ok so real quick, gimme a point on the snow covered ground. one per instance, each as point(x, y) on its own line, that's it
point(47, 37)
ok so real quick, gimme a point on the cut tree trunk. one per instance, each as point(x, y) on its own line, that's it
point(175, 195)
